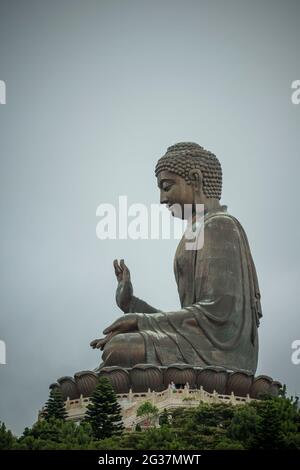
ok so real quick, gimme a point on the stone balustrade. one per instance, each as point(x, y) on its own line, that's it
point(168, 399)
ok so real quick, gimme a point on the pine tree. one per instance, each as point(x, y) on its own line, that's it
point(270, 435)
point(55, 407)
point(104, 412)
point(7, 440)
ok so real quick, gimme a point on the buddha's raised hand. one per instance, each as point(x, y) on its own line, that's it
point(124, 290)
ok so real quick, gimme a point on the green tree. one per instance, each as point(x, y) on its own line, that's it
point(164, 418)
point(283, 391)
point(148, 410)
point(273, 423)
point(244, 424)
point(227, 444)
point(56, 434)
point(55, 407)
point(279, 423)
point(7, 440)
point(269, 435)
point(104, 412)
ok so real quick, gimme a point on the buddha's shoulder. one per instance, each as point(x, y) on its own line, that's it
point(222, 220)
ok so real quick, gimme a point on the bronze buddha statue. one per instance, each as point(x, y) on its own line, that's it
point(212, 340)
point(218, 289)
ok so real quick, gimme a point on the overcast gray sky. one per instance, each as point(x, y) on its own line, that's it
point(96, 92)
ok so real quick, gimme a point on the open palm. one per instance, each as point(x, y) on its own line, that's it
point(124, 292)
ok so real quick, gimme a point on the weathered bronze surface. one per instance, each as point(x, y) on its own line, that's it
point(212, 340)
point(218, 289)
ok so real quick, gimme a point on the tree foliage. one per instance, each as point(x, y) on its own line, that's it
point(104, 412)
point(272, 423)
point(149, 411)
point(55, 406)
point(7, 440)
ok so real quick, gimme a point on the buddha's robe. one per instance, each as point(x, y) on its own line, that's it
point(220, 300)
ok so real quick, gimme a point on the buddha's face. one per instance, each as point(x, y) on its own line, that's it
point(175, 190)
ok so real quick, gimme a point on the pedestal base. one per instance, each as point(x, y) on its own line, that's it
point(144, 377)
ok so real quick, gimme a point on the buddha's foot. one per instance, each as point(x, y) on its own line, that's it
point(143, 377)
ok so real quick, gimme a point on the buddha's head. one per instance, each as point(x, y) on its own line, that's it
point(188, 174)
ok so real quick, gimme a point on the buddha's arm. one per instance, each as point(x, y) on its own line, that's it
point(140, 306)
point(218, 287)
point(218, 282)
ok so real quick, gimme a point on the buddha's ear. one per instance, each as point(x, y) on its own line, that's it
point(196, 178)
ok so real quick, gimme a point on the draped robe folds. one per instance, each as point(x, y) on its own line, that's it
point(220, 303)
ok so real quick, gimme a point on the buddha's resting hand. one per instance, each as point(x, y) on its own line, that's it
point(129, 323)
point(124, 292)
point(121, 325)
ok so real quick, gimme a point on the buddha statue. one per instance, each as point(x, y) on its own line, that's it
point(217, 322)
point(211, 341)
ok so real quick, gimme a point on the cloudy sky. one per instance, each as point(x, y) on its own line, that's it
point(96, 92)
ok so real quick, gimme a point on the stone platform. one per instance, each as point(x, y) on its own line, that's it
point(167, 400)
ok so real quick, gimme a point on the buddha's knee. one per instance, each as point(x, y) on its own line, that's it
point(124, 350)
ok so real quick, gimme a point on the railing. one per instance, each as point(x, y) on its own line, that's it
point(131, 400)
point(168, 398)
